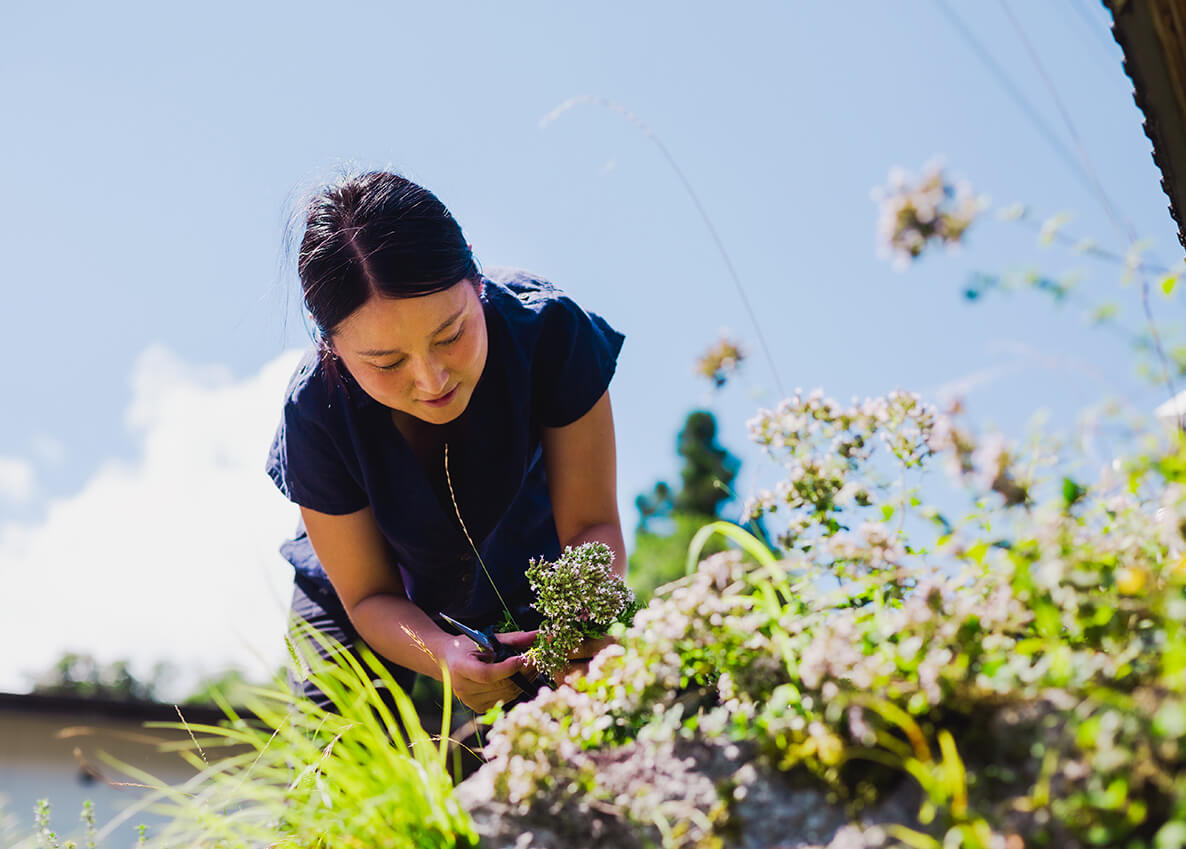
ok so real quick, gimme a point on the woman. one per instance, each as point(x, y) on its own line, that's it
point(442, 411)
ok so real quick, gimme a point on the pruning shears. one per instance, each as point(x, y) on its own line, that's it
point(495, 651)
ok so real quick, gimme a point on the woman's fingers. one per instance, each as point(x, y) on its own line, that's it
point(475, 669)
point(484, 700)
point(480, 685)
point(518, 639)
point(476, 682)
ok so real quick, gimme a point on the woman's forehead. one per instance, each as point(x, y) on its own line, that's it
point(385, 325)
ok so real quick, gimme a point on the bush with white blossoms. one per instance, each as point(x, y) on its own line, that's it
point(1024, 668)
point(580, 597)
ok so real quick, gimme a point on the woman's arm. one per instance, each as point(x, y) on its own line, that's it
point(355, 556)
point(582, 468)
point(583, 483)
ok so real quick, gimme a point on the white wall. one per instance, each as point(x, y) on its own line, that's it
point(42, 757)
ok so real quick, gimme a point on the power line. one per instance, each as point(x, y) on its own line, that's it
point(1122, 225)
point(1106, 42)
point(1016, 95)
point(1097, 188)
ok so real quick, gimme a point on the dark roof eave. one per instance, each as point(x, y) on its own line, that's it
point(1151, 34)
point(78, 708)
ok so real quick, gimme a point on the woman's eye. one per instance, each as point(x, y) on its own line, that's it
point(391, 366)
point(452, 338)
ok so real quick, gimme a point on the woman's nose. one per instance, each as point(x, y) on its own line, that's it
point(431, 377)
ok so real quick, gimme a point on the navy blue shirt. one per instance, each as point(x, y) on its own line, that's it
point(337, 450)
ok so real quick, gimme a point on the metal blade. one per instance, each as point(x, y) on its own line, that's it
point(477, 636)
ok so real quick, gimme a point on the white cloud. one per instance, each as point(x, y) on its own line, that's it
point(172, 556)
point(16, 479)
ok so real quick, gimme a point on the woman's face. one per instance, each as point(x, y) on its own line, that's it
point(422, 356)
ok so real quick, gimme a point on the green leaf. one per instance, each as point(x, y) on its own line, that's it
point(748, 542)
point(1051, 226)
point(1104, 312)
point(1116, 793)
point(887, 512)
point(1013, 212)
point(1168, 283)
point(1071, 492)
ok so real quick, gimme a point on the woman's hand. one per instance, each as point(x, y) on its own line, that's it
point(481, 685)
point(581, 655)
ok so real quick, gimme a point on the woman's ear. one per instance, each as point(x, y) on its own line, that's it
point(326, 343)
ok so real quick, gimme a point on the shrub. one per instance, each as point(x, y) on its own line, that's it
point(1023, 666)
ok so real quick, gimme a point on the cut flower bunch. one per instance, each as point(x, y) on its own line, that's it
point(580, 597)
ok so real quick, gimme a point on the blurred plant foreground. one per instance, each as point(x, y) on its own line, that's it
point(866, 665)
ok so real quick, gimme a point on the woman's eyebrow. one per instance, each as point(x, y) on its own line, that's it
point(440, 327)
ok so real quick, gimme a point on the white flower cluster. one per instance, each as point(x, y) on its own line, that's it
point(914, 213)
point(680, 641)
point(860, 651)
point(988, 465)
point(828, 452)
point(537, 746)
point(873, 546)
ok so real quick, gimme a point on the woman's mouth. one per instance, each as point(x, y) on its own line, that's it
point(442, 400)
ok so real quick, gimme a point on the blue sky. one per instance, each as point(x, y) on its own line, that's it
point(152, 154)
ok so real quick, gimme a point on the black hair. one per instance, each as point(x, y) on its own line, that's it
point(376, 233)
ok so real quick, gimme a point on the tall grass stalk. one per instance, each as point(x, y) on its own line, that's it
point(700, 208)
point(457, 509)
point(363, 773)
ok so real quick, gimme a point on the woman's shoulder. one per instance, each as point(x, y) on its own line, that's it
point(312, 393)
point(572, 353)
point(306, 381)
point(517, 288)
point(531, 304)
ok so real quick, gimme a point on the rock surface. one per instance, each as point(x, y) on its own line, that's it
point(697, 790)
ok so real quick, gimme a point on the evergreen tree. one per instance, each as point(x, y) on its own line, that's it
point(668, 518)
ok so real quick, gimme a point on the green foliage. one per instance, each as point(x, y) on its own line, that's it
point(708, 469)
point(82, 676)
point(706, 474)
point(659, 558)
point(230, 686)
point(669, 518)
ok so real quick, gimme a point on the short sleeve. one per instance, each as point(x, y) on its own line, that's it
point(308, 467)
point(574, 362)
